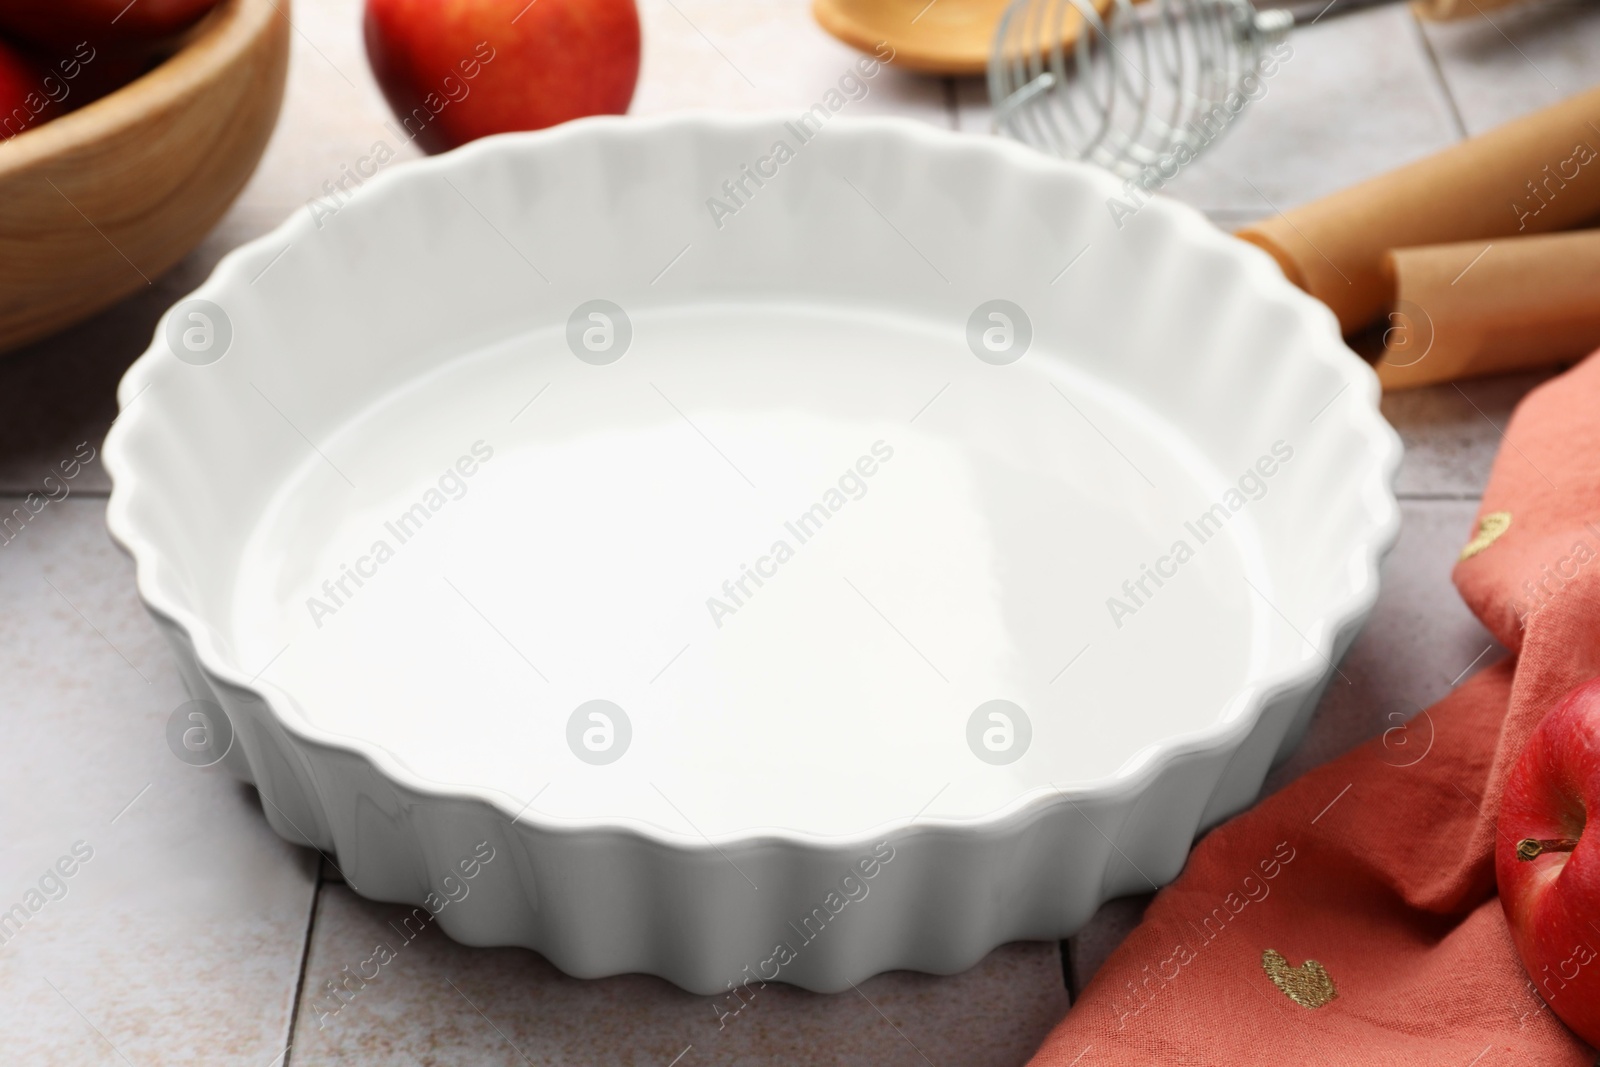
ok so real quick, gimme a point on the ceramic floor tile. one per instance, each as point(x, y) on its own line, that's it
point(1453, 431)
point(1504, 63)
point(58, 395)
point(437, 1003)
point(1100, 936)
point(1362, 80)
point(758, 55)
point(178, 936)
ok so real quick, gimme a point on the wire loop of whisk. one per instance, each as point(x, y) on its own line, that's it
point(1130, 87)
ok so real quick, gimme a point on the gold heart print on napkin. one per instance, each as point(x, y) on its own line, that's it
point(1308, 985)
point(1489, 530)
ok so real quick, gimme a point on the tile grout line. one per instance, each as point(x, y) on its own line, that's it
point(1439, 78)
point(305, 965)
point(23, 494)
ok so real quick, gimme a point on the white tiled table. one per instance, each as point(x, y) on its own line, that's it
point(194, 935)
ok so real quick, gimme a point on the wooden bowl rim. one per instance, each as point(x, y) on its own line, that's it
point(222, 38)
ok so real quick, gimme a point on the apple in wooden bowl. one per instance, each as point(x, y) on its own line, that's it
point(97, 202)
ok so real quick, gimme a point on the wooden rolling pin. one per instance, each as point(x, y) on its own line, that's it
point(1475, 308)
point(1444, 10)
point(1537, 174)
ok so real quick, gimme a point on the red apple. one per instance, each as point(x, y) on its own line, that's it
point(456, 70)
point(1548, 868)
point(23, 103)
point(35, 88)
point(58, 24)
point(105, 72)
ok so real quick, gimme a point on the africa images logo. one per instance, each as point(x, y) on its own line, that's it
point(851, 485)
point(451, 485)
point(739, 190)
point(1251, 486)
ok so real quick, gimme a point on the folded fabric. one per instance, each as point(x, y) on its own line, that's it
point(1351, 918)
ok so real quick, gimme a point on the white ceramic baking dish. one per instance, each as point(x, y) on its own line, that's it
point(796, 562)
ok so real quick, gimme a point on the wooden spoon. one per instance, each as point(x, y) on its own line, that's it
point(941, 37)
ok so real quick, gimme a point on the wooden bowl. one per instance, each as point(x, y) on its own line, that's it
point(98, 203)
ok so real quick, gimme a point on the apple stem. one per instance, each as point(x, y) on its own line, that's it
point(1531, 848)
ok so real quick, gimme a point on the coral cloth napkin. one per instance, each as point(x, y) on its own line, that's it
point(1351, 918)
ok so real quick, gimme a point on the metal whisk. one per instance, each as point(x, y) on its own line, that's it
point(1130, 87)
